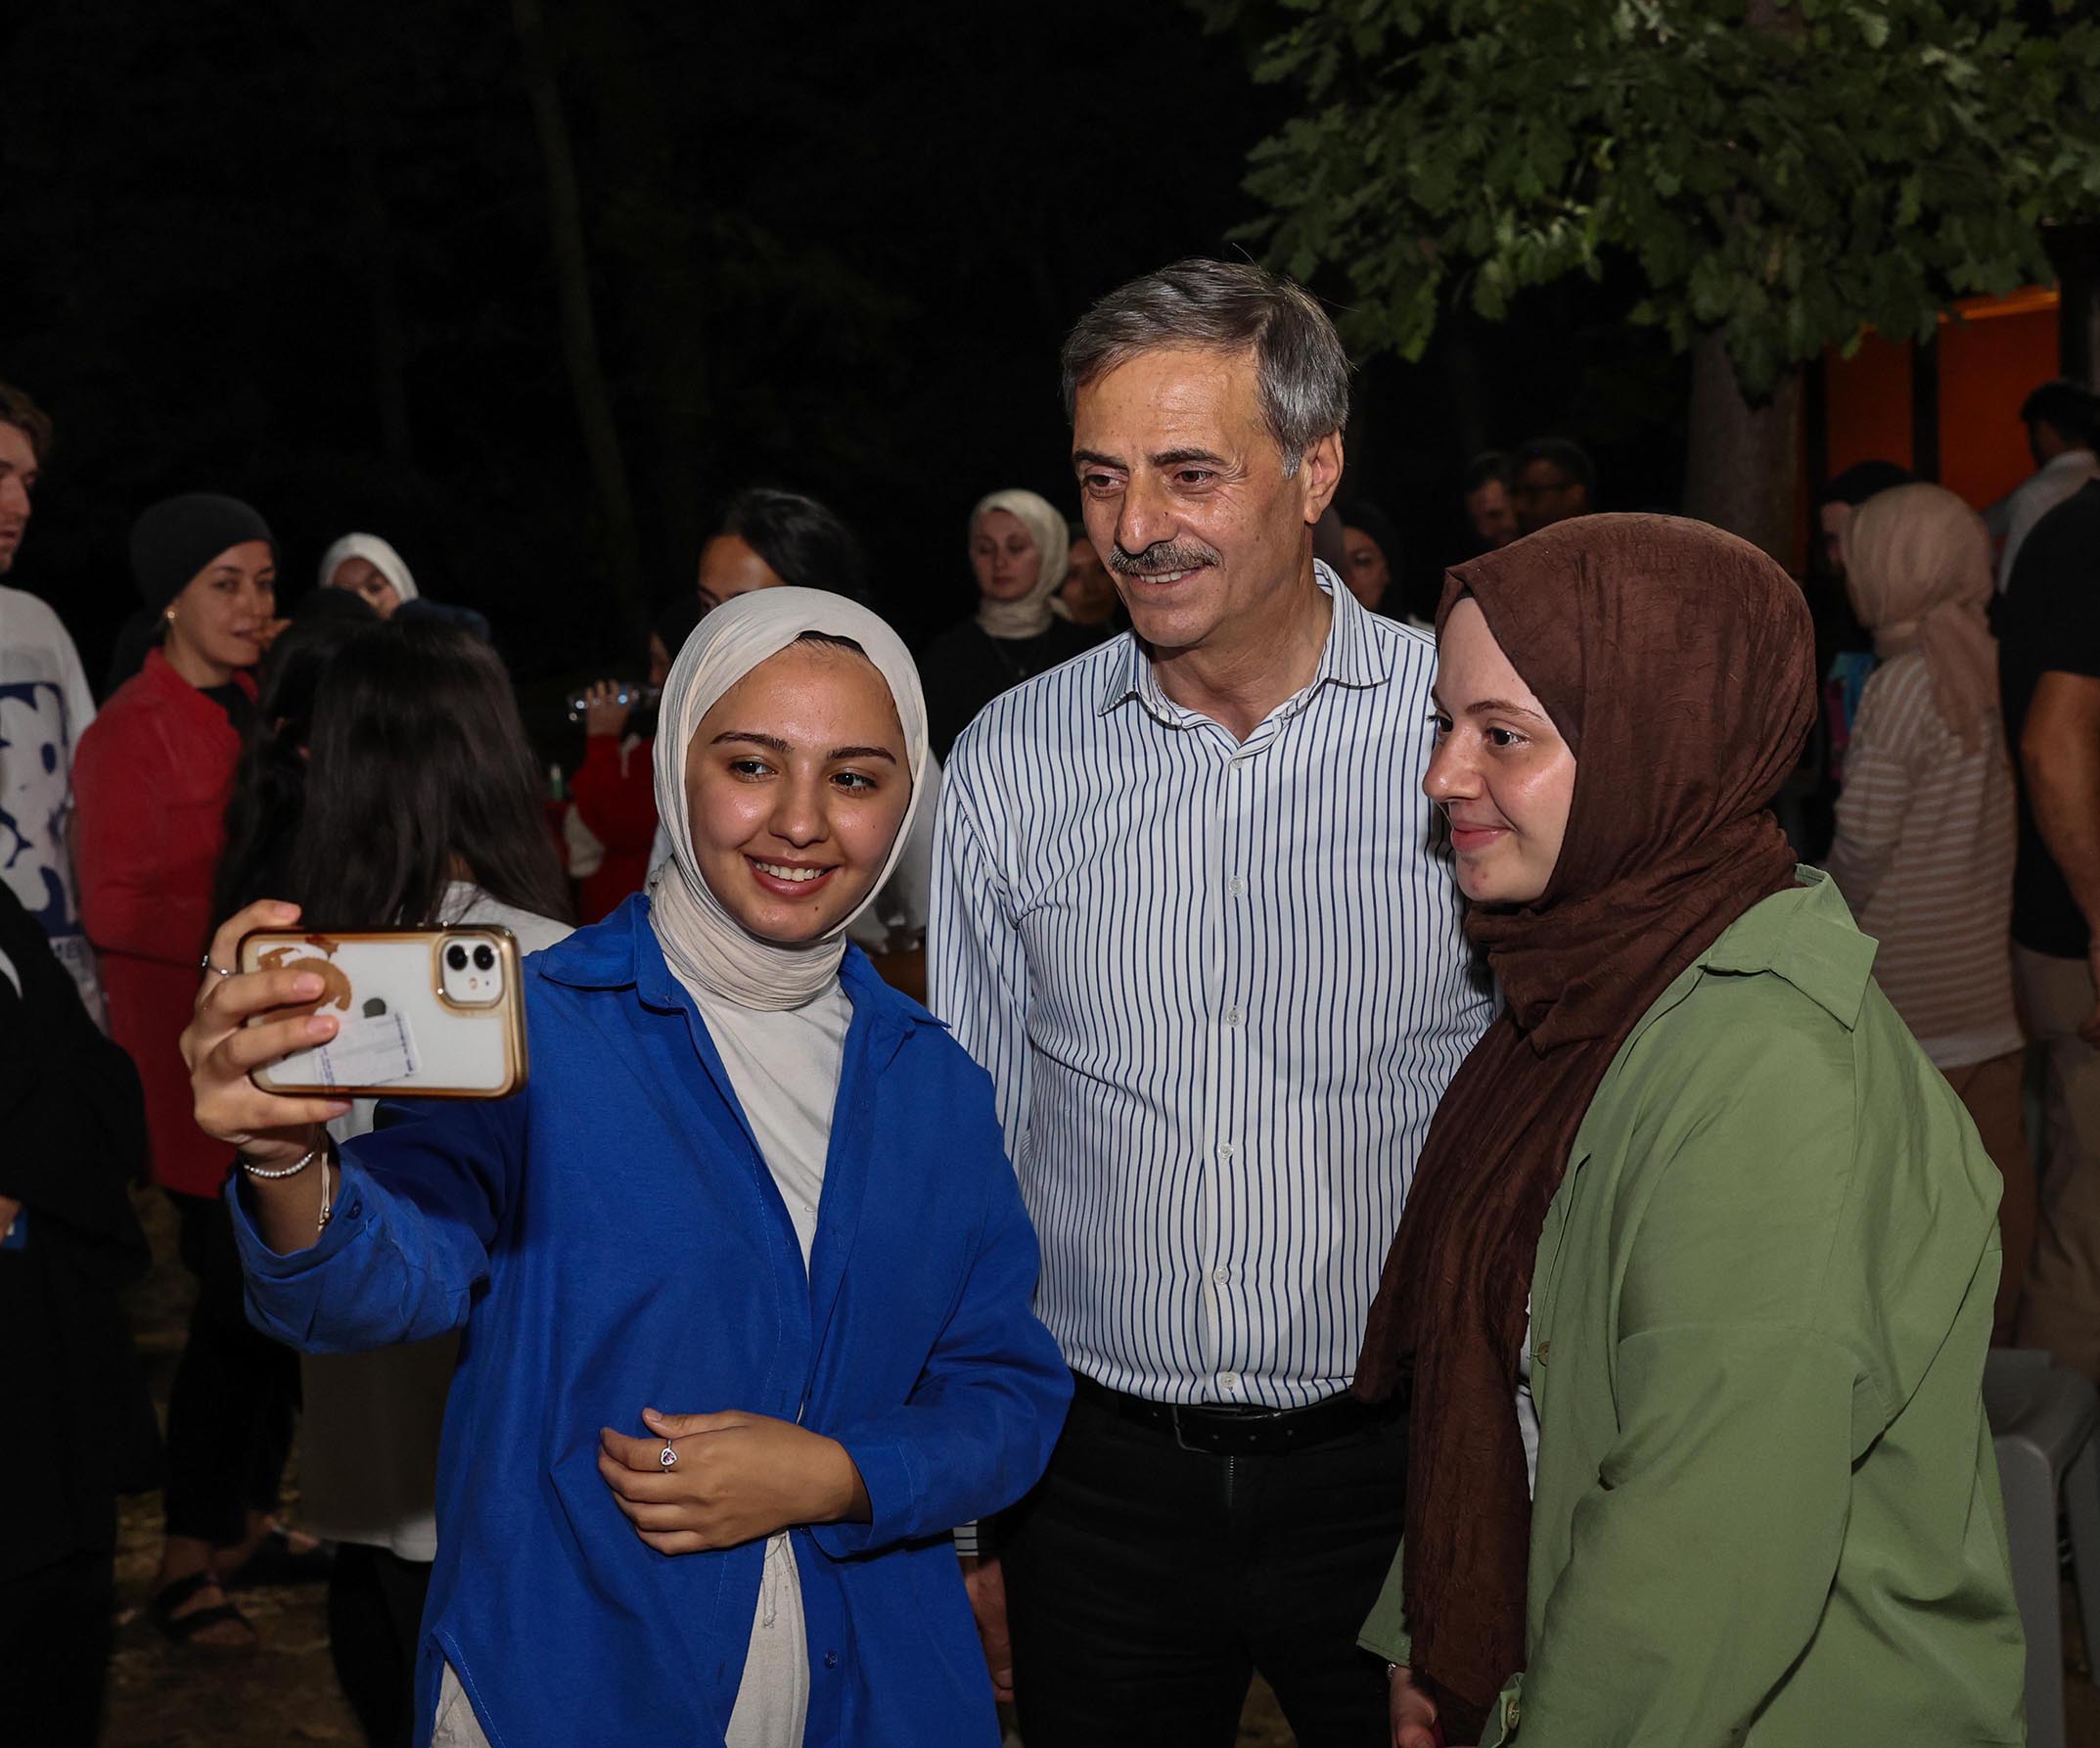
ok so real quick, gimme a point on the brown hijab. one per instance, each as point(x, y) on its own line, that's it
point(1677, 661)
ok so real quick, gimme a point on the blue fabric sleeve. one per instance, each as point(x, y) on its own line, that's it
point(977, 1431)
point(416, 1215)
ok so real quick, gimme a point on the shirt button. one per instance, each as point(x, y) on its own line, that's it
point(1236, 887)
point(831, 1659)
point(1221, 1275)
point(1226, 1150)
point(1229, 1380)
point(1232, 1016)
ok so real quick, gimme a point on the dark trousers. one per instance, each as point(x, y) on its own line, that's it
point(54, 1636)
point(375, 1622)
point(231, 1406)
point(1146, 1583)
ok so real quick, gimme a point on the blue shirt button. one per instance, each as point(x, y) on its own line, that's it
point(831, 1659)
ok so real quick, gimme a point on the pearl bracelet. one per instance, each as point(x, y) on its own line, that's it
point(306, 1159)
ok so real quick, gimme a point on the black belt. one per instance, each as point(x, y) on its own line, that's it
point(1223, 1431)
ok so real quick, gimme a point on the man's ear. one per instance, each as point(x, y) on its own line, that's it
point(1320, 475)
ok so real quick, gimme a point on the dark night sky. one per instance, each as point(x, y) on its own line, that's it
point(300, 253)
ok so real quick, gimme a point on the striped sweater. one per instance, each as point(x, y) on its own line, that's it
point(1924, 856)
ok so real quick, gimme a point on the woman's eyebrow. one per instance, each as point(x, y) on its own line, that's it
point(1502, 706)
point(773, 743)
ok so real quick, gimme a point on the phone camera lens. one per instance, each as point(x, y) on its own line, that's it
point(485, 958)
point(456, 957)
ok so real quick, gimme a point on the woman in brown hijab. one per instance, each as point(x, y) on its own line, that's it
point(1695, 1278)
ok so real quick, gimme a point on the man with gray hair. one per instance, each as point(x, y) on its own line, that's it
point(1190, 915)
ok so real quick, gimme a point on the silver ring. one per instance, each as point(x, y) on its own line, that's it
point(205, 964)
point(667, 1457)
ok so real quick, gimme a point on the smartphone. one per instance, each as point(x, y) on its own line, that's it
point(426, 1012)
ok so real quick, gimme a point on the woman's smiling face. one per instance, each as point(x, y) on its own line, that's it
point(797, 782)
point(1501, 772)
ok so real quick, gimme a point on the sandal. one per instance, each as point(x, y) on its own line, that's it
point(182, 1629)
point(276, 1561)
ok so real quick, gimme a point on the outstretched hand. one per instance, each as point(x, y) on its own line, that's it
point(222, 1047)
point(738, 1478)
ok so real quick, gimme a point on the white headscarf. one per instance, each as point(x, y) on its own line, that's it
point(1028, 616)
point(707, 948)
point(379, 554)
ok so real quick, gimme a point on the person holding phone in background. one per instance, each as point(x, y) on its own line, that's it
point(743, 1272)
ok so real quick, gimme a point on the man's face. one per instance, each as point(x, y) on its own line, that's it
point(2045, 441)
point(1489, 509)
point(18, 479)
point(1544, 494)
point(1185, 495)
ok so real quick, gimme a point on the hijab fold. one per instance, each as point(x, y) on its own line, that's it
point(1677, 663)
point(1917, 565)
point(708, 949)
point(1030, 616)
point(379, 554)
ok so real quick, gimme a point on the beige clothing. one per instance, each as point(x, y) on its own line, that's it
point(1923, 856)
point(457, 1727)
point(2061, 1308)
point(773, 1699)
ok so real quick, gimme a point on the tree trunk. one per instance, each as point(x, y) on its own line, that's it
point(1744, 470)
point(580, 328)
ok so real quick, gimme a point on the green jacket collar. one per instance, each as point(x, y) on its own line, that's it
point(1807, 936)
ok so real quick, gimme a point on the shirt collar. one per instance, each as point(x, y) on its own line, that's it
point(1353, 655)
point(1807, 936)
point(2071, 461)
point(622, 952)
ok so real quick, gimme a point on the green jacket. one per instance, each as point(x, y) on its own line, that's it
point(1767, 1508)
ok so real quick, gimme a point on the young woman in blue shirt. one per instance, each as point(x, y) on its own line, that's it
point(743, 1275)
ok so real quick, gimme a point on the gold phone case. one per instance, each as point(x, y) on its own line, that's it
point(422, 1015)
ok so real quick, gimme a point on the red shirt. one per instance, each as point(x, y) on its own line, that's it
point(151, 782)
point(615, 794)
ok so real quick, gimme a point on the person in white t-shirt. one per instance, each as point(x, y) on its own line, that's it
point(45, 705)
point(2063, 425)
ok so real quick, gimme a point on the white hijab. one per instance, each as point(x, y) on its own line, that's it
point(379, 554)
point(1028, 616)
point(707, 948)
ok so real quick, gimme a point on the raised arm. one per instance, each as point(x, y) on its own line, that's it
point(413, 1208)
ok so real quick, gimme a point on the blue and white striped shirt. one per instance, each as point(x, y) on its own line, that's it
point(1220, 988)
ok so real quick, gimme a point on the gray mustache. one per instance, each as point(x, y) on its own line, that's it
point(1163, 555)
